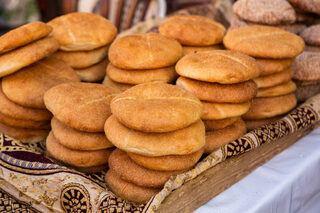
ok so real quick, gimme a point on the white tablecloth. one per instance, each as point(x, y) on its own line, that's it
point(289, 182)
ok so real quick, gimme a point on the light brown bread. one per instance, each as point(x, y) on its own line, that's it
point(220, 137)
point(306, 66)
point(82, 59)
point(156, 107)
point(28, 86)
point(196, 49)
point(129, 191)
point(23, 35)
point(180, 142)
point(271, 66)
point(26, 55)
point(193, 30)
point(91, 169)
point(218, 66)
point(82, 31)
point(74, 139)
point(274, 79)
point(312, 48)
point(165, 74)
point(307, 5)
point(76, 157)
point(219, 124)
point(217, 111)
point(20, 123)
point(281, 89)
point(306, 89)
point(253, 124)
point(167, 162)
point(311, 35)
point(116, 85)
point(82, 106)
point(270, 107)
point(220, 93)
point(94, 73)
point(144, 51)
point(264, 42)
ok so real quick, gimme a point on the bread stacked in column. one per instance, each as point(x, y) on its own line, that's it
point(195, 33)
point(77, 136)
point(222, 80)
point(274, 50)
point(84, 40)
point(141, 58)
point(158, 132)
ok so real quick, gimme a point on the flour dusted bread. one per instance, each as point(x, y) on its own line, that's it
point(144, 51)
point(274, 79)
point(281, 89)
point(271, 66)
point(156, 107)
point(312, 6)
point(217, 111)
point(193, 30)
point(93, 73)
point(82, 31)
point(306, 66)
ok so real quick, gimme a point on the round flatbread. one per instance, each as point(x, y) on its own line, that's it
point(253, 124)
point(116, 85)
point(217, 111)
point(274, 79)
point(306, 66)
point(281, 89)
point(196, 49)
point(312, 6)
point(20, 123)
point(271, 66)
point(94, 73)
point(219, 124)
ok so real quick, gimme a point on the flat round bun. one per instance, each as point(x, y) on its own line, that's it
point(312, 6)
point(180, 142)
point(265, 11)
point(115, 85)
point(27, 124)
point(24, 135)
point(94, 73)
point(82, 31)
point(82, 59)
point(91, 169)
point(23, 35)
point(253, 124)
point(129, 191)
point(76, 157)
point(304, 92)
point(74, 139)
point(165, 74)
point(128, 170)
point(312, 48)
point(270, 107)
point(156, 107)
point(264, 42)
point(271, 66)
point(196, 49)
point(217, 111)
point(28, 86)
point(26, 55)
point(220, 93)
point(306, 66)
point(144, 51)
point(219, 124)
point(274, 79)
point(82, 106)
point(220, 137)
point(167, 162)
point(193, 30)
point(16, 111)
point(218, 66)
point(281, 89)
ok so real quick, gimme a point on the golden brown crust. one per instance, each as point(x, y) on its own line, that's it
point(253, 124)
point(82, 31)
point(116, 85)
point(219, 124)
point(74, 139)
point(82, 106)
point(94, 73)
point(28, 86)
point(76, 157)
point(167, 162)
point(274, 79)
point(156, 107)
point(144, 51)
point(193, 30)
point(270, 107)
point(271, 66)
point(264, 42)
point(220, 137)
point(23, 35)
point(16, 111)
point(165, 74)
point(24, 135)
point(92, 169)
point(218, 66)
point(281, 89)
point(82, 59)
point(26, 55)
point(129, 191)
point(217, 111)
point(220, 93)
point(196, 49)
point(20, 123)
point(180, 142)
point(128, 170)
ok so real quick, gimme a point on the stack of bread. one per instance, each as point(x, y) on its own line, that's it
point(195, 33)
point(158, 133)
point(142, 58)
point(274, 50)
point(84, 40)
point(222, 80)
point(307, 11)
point(77, 136)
